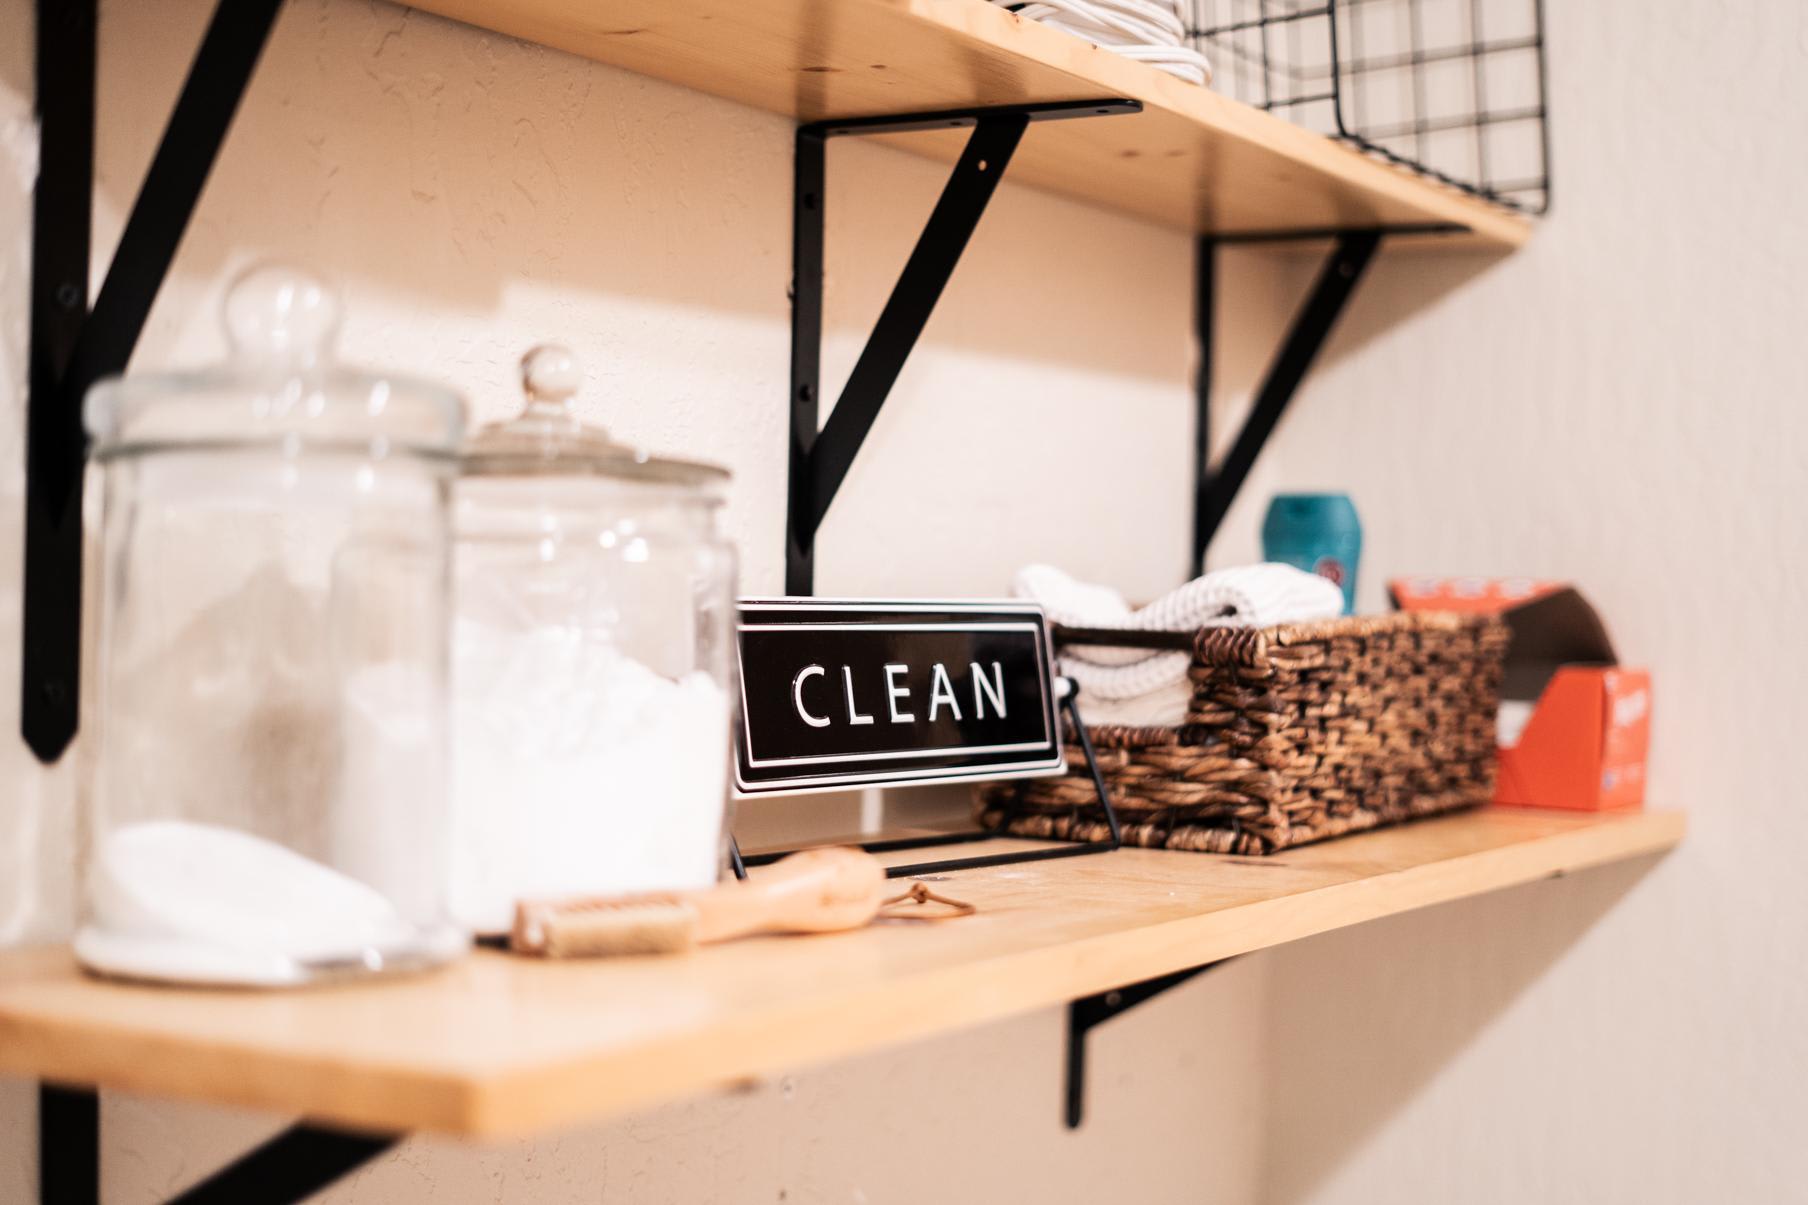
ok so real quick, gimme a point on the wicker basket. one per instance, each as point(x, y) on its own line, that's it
point(1294, 734)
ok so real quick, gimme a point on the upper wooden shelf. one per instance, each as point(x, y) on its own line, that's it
point(1192, 159)
point(499, 1045)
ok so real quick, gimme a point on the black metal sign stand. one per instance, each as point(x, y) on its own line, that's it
point(1054, 849)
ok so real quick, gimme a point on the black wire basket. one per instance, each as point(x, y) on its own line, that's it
point(1454, 89)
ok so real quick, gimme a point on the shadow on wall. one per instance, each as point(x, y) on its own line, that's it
point(1362, 1020)
point(448, 165)
point(1405, 278)
point(429, 158)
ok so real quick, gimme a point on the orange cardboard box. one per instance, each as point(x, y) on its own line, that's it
point(1574, 725)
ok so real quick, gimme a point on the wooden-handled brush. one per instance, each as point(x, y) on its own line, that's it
point(816, 891)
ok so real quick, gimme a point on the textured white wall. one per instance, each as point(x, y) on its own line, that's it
point(1620, 404)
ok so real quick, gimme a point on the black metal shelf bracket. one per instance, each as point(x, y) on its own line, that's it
point(820, 458)
point(286, 1170)
point(1088, 1012)
point(72, 346)
point(1216, 487)
point(68, 1145)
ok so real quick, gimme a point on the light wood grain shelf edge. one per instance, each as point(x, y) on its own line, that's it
point(1097, 71)
point(498, 1047)
point(1023, 982)
point(795, 57)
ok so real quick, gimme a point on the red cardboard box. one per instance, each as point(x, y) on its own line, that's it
point(1575, 726)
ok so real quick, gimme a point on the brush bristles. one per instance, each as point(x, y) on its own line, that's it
point(601, 928)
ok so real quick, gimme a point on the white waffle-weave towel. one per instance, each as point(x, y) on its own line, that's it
point(1140, 686)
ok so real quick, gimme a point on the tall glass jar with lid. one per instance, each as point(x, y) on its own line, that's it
point(270, 802)
point(593, 662)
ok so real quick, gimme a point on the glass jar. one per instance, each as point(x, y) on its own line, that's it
point(270, 797)
point(592, 662)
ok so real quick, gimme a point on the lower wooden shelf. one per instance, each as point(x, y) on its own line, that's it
point(498, 1045)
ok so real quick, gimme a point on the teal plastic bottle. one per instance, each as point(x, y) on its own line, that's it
point(1319, 533)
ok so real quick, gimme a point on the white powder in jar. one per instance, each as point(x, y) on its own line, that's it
point(576, 770)
point(388, 822)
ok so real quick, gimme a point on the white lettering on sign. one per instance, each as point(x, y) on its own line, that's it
point(941, 690)
point(986, 689)
point(982, 689)
point(797, 696)
point(894, 692)
point(847, 681)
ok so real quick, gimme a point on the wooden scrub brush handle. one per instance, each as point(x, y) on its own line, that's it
point(815, 891)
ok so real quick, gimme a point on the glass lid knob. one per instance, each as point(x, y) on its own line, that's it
point(282, 314)
point(548, 438)
point(550, 375)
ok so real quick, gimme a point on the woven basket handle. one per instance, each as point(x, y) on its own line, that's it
point(1209, 646)
point(1178, 642)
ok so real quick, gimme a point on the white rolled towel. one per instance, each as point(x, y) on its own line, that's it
point(1138, 686)
point(1153, 31)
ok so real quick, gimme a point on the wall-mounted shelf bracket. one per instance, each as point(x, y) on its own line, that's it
point(820, 458)
point(1216, 487)
point(286, 1170)
point(72, 346)
point(1090, 1011)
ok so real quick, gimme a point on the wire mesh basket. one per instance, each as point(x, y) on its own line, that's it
point(1451, 88)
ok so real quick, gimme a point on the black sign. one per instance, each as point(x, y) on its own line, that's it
point(845, 694)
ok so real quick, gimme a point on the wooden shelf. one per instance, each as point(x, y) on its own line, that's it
point(1193, 159)
point(498, 1045)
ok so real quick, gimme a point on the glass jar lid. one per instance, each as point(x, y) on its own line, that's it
point(279, 384)
point(548, 438)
